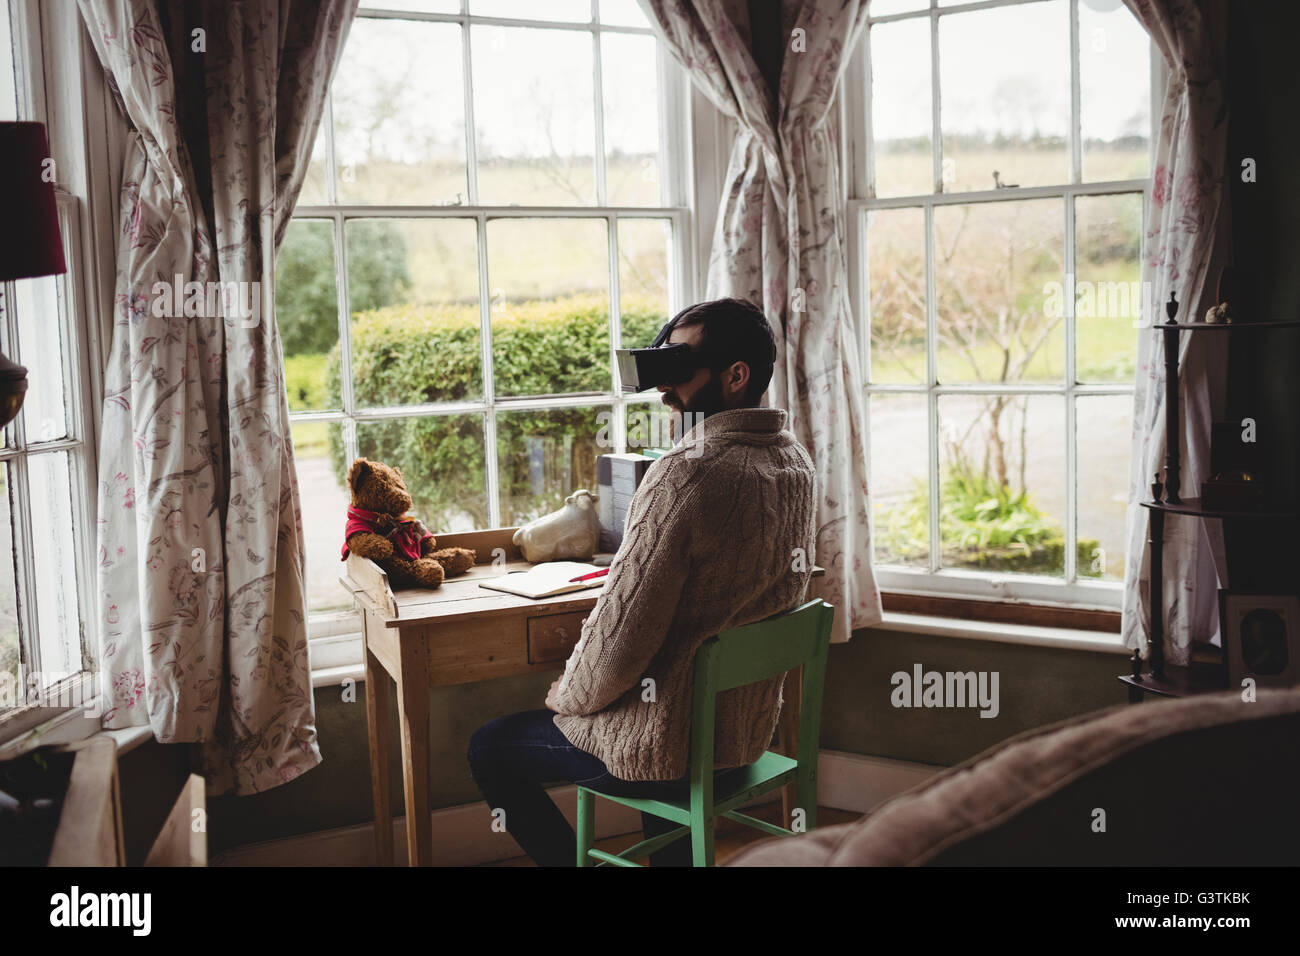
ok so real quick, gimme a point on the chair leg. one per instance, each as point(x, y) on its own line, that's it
point(586, 826)
point(701, 840)
point(807, 790)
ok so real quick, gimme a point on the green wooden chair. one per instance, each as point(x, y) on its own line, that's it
point(734, 658)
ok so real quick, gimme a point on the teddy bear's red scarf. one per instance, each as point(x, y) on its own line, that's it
point(406, 537)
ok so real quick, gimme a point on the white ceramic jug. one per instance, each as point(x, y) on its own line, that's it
point(572, 532)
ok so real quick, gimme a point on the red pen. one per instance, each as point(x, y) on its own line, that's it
point(588, 577)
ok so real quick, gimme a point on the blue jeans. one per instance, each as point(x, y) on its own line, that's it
point(512, 756)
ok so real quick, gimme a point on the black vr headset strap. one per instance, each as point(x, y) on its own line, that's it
point(699, 356)
point(662, 337)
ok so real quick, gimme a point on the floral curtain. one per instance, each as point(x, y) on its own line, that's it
point(1187, 201)
point(201, 565)
point(778, 243)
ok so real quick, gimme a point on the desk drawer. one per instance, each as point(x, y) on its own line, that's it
point(551, 637)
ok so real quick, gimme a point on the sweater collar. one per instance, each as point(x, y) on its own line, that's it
point(753, 425)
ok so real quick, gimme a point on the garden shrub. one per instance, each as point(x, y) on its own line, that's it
point(983, 526)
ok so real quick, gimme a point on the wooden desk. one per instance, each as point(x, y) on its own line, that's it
point(460, 633)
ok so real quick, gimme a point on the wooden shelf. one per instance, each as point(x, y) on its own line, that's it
point(1192, 506)
point(1220, 326)
point(1181, 681)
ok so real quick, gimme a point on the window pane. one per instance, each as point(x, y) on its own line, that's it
point(649, 426)
point(644, 254)
point(623, 13)
point(1104, 424)
point(901, 108)
point(419, 6)
point(543, 456)
point(307, 313)
point(533, 115)
point(994, 266)
point(322, 476)
point(900, 479)
point(413, 286)
point(550, 305)
point(315, 188)
point(1005, 88)
point(399, 119)
point(442, 459)
point(630, 79)
point(1002, 472)
point(58, 620)
point(1108, 286)
point(9, 668)
point(896, 280)
point(1115, 92)
point(40, 339)
point(577, 11)
point(883, 8)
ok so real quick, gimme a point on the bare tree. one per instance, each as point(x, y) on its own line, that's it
point(990, 311)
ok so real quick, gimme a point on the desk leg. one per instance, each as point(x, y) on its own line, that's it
point(413, 706)
point(788, 738)
point(379, 691)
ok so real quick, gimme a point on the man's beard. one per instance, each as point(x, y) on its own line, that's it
point(706, 401)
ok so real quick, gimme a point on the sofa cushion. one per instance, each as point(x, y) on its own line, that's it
point(1207, 780)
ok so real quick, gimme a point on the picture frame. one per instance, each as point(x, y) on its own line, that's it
point(1261, 638)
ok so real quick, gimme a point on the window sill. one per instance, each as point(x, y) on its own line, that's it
point(336, 658)
point(1065, 638)
point(335, 676)
point(1059, 616)
point(129, 738)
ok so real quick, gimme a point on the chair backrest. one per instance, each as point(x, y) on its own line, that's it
point(755, 652)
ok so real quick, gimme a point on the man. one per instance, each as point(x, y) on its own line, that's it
point(713, 537)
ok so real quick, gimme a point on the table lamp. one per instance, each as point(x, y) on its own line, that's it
point(30, 245)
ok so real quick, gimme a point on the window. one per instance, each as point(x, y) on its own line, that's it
point(46, 460)
point(495, 203)
point(1001, 156)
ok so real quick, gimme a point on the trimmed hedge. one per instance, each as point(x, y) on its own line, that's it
point(413, 354)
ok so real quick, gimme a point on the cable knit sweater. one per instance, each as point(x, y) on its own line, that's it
point(710, 544)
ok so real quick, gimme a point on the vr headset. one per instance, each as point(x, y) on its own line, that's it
point(660, 364)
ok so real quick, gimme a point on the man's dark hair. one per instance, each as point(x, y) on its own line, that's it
point(733, 330)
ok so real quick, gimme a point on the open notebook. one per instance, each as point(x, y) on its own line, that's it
point(546, 579)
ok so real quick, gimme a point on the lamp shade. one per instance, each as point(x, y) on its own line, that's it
point(29, 240)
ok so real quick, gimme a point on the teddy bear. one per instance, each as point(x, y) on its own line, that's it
point(379, 528)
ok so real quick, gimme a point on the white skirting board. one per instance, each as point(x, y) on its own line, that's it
point(463, 835)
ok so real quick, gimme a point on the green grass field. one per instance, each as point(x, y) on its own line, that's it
point(998, 266)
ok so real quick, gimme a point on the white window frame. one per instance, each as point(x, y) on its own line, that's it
point(37, 41)
point(689, 126)
point(76, 444)
point(859, 160)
